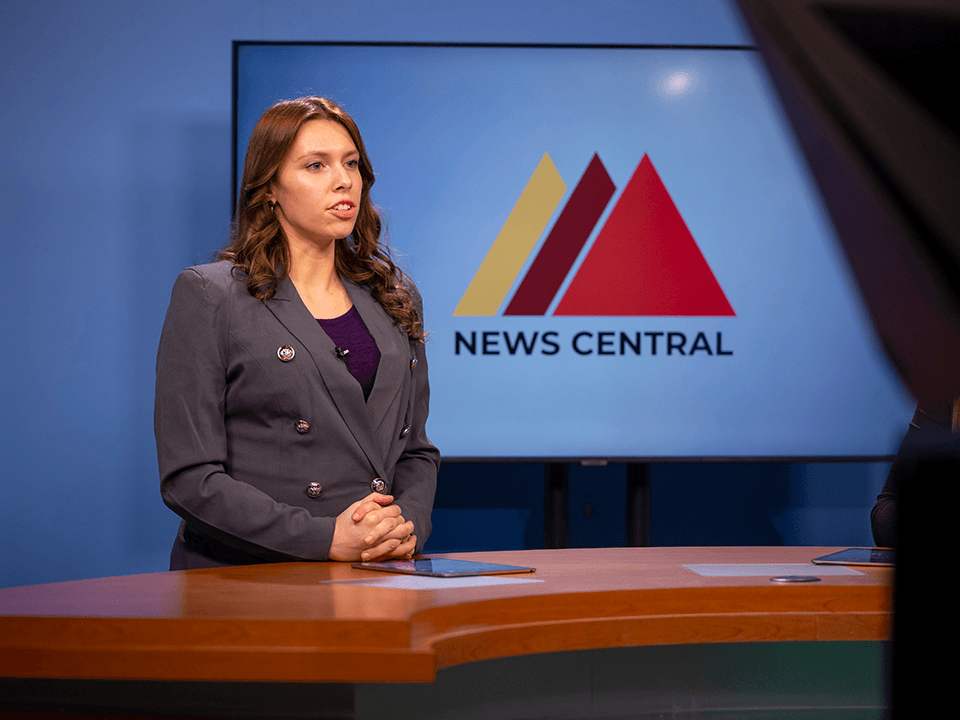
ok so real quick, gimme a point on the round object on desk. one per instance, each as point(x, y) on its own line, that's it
point(794, 579)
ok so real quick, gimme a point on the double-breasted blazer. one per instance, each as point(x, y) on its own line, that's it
point(263, 435)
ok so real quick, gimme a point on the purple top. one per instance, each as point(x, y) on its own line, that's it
point(356, 346)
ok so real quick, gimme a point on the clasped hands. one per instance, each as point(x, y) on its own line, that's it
point(372, 529)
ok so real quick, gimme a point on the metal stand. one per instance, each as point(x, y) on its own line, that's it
point(638, 505)
point(556, 505)
point(556, 500)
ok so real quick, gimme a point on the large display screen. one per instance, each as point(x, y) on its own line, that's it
point(620, 251)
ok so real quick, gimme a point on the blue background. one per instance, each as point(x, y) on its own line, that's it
point(116, 120)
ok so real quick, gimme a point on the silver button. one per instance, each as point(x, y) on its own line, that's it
point(314, 489)
point(285, 353)
point(377, 485)
point(405, 432)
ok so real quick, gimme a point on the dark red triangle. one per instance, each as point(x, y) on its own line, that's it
point(564, 243)
point(645, 261)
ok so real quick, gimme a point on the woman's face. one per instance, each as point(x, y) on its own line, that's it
point(318, 185)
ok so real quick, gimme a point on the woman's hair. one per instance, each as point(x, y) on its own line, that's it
point(258, 246)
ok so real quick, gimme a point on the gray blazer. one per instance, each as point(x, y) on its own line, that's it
point(260, 451)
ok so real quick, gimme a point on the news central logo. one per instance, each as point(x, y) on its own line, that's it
point(644, 262)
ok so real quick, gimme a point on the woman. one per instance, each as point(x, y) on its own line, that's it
point(292, 386)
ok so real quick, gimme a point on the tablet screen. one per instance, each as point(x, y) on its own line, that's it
point(858, 556)
point(442, 567)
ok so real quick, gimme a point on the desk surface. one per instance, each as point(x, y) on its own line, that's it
point(289, 622)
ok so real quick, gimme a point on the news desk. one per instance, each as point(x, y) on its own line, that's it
point(615, 632)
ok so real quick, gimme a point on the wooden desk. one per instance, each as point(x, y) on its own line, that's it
point(288, 623)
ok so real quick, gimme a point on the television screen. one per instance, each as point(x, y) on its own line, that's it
point(620, 250)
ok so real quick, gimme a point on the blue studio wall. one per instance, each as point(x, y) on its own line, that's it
point(116, 141)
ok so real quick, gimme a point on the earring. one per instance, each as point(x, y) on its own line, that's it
point(272, 205)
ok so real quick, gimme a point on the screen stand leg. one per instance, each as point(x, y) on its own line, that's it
point(556, 491)
point(638, 504)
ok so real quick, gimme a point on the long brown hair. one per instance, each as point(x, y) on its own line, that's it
point(258, 246)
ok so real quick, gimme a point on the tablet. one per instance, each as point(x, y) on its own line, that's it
point(442, 567)
point(858, 556)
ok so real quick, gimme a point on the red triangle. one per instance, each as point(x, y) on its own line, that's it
point(644, 261)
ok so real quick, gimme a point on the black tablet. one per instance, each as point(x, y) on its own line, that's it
point(858, 556)
point(442, 567)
